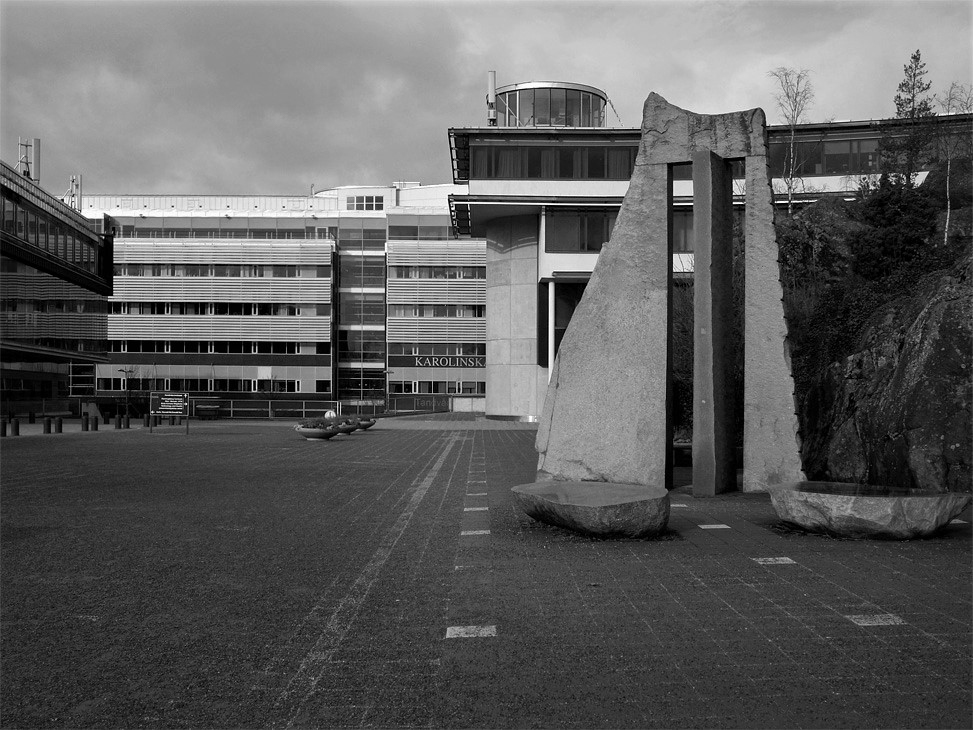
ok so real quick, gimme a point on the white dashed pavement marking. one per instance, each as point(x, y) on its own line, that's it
point(470, 632)
point(876, 619)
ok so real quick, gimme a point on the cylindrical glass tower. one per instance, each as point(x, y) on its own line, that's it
point(550, 104)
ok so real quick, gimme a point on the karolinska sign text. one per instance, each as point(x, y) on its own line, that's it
point(438, 361)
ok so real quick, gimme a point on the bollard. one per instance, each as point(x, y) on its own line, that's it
point(58, 424)
point(47, 425)
point(157, 420)
point(172, 420)
point(15, 427)
point(31, 417)
point(145, 420)
point(84, 422)
point(125, 422)
point(94, 423)
point(106, 419)
point(118, 421)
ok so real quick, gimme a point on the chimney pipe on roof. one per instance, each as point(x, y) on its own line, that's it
point(492, 98)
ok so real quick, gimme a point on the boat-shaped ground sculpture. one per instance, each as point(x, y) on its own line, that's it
point(597, 509)
point(866, 511)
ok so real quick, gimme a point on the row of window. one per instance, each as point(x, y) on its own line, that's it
point(54, 306)
point(437, 272)
point(845, 157)
point(553, 163)
point(364, 202)
point(47, 233)
point(267, 309)
point(441, 349)
point(205, 385)
point(216, 346)
point(465, 387)
point(437, 310)
point(579, 230)
point(587, 230)
point(554, 107)
point(224, 270)
point(421, 233)
point(562, 162)
point(157, 229)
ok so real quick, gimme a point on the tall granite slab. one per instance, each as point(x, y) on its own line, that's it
point(714, 467)
point(607, 413)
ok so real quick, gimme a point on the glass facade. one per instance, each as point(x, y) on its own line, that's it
point(55, 275)
point(550, 106)
point(554, 162)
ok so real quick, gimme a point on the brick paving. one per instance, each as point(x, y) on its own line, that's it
point(243, 577)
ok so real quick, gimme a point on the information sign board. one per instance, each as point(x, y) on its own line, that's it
point(169, 404)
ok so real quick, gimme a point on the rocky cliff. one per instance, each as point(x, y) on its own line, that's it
point(897, 411)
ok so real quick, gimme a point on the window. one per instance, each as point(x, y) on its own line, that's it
point(562, 162)
point(682, 231)
point(579, 229)
point(364, 202)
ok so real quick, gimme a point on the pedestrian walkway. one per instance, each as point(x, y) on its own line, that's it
point(244, 577)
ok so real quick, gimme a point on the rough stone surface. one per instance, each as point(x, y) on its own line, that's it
point(771, 450)
point(897, 412)
point(855, 510)
point(613, 365)
point(597, 509)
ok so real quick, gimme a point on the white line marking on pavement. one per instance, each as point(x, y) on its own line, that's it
point(476, 509)
point(774, 561)
point(465, 533)
point(714, 527)
point(477, 494)
point(678, 505)
point(470, 632)
point(959, 522)
point(302, 685)
point(876, 619)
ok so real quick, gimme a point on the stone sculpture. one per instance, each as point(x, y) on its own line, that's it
point(623, 324)
point(866, 511)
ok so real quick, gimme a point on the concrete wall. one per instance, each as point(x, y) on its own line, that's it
point(511, 327)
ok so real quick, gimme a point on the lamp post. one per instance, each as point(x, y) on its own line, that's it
point(128, 389)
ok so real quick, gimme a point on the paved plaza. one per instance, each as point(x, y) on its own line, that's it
point(241, 576)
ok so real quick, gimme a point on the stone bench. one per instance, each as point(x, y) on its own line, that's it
point(866, 511)
point(597, 509)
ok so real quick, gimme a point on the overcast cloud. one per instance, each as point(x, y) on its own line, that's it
point(273, 97)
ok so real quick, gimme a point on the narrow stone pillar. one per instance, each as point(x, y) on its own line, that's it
point(713, 463)
point(771, 448)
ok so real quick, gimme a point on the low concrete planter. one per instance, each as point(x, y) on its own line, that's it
point(597, 509)
point(865, 511)
point(316, 434)
point(366, 423)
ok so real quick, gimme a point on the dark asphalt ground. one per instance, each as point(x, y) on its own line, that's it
point(244, 577)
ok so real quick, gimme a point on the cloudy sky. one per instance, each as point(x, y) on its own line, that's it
point(273, 97)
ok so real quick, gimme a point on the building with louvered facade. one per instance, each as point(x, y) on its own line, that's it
point(354, 294)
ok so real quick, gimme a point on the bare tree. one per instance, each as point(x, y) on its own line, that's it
point(796, 94)
point(957, 99)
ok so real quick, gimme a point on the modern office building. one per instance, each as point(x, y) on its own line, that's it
point(545, 179)
point(349, 294)
point(423, 296)
point(55, 279)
